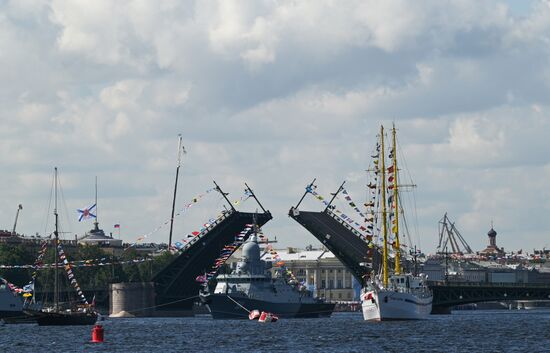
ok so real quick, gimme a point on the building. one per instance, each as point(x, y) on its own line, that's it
point(318, 269)
point(97, 237)
point(321, 272)
point(7, 237)
point(492, 249)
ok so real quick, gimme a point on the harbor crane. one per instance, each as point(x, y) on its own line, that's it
point(19, 208)
point(449, 235)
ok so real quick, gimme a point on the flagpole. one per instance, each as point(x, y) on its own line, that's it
point(180, 148)
point(96, 222)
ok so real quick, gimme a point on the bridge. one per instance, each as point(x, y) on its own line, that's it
point(447, 295)
point(338, 237)
point(176, 282)
point(176, 287)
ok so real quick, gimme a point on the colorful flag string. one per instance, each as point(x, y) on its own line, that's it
point(364, 231)
point(70, 273)
point(79, 263)
point(286, 274)
point(226, 253)
point(193, 201)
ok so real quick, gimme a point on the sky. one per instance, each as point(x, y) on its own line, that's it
point(274, 94)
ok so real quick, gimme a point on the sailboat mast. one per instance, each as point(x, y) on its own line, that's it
point(395, 207)
point(180, 149)
point(56, 242)
point(384, 211)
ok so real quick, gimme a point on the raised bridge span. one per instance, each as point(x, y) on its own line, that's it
point(176, 282)
point(339, 238)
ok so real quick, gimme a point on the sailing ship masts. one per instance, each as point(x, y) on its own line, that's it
point(180, 149)
point(395, 206)
point(384, 211)
point(56, 241)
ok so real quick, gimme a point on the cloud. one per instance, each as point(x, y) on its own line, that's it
point(276, 94)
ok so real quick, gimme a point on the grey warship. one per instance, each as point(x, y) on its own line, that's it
point(251, 286)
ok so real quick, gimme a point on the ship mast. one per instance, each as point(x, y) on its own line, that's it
point(180, 150)
point(384, 211)
point(395, 206)
point(56, 242)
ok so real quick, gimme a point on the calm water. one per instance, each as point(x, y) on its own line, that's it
point(474, 331)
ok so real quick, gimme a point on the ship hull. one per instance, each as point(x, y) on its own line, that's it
point(385, 305)
point(62, 319)
point(221, 306)
point(16, 317)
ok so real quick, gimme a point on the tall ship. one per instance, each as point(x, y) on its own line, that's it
point(57, 312)
point(251, 286)
point(392, 294)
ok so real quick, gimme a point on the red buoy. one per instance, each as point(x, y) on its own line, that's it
point(97, 334)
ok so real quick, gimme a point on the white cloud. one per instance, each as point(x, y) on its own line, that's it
point(276, 93)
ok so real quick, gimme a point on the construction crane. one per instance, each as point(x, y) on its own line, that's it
point(449, 235)
point(19, 208)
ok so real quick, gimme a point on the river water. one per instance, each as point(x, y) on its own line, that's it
point(467, 331)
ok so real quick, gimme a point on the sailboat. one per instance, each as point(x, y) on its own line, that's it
point(393, 294)
point(58, 313)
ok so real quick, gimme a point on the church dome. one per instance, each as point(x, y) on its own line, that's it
point(492, 233)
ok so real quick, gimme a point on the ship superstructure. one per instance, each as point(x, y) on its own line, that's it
point(251, 286)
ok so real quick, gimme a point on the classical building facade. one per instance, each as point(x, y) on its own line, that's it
point(321, 272)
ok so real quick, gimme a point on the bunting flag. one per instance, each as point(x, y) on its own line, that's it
point(342, 216)
point(70, 274)
point(286, 274)
point(226, 253)
point(194, 200)
point(80, 263)
point(38, 262)
point(12, 287)
point(243, 198)
point(352, 204)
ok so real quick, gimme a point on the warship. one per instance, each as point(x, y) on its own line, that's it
point(252, 286)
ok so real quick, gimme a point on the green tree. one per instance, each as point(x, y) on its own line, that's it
point(17, 254)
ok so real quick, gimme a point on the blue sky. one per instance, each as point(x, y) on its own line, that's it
point(275, 94)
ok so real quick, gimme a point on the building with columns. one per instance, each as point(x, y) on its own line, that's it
point(322, 273)
point(318, 269)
